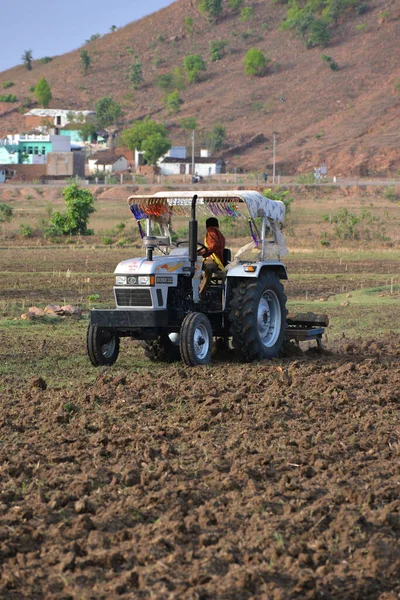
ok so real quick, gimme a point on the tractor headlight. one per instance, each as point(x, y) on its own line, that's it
point(120, 280)
point(146, 280)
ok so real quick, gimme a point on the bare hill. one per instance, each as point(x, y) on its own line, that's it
point(348, 118)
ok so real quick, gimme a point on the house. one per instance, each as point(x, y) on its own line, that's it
point(31, 148)
point(107, 161)
point(177, 163)
point(41, 117)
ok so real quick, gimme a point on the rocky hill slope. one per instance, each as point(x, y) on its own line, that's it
point(347, 117)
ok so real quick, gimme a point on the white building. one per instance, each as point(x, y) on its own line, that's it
point(60, 117)
point(177, 163)
point(107, 161)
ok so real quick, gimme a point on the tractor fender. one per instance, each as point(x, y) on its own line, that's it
point(260, 267)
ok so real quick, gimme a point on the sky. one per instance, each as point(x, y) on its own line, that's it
point(51, 27)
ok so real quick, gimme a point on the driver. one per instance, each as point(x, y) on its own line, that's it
point(213, 254)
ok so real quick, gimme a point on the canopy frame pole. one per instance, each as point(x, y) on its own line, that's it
point(263, 228)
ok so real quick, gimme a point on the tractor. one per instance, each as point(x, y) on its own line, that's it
point(157, 295)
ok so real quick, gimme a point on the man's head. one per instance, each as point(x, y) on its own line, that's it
point(212, 222)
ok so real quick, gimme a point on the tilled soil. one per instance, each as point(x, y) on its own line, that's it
point(272, 480)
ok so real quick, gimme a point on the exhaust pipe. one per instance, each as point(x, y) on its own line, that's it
point(193, 237)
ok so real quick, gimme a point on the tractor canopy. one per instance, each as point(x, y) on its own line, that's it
point(219, 203)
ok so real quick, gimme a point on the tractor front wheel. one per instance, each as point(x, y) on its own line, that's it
point(196, 339)
point(258, 317)
point(102, 346)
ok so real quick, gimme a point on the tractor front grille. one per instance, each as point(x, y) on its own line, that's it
point(136, 297)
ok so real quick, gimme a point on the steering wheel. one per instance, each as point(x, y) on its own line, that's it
point(200, 246)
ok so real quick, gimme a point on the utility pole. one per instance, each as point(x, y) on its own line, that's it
point(193, 153)
point(273, 159)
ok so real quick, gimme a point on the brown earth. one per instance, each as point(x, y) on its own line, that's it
point(275, 480)
point(347, 118)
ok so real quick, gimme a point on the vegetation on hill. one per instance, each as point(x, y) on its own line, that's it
point(164, 55)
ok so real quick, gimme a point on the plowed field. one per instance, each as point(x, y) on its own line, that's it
point(274, 480)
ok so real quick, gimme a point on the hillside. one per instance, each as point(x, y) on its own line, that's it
point(348, 118)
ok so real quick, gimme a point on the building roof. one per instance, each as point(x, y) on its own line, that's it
point(207, 160)
point(106, 157)
point(55, 112)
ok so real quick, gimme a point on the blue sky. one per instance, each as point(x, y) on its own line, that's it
point(51, 27)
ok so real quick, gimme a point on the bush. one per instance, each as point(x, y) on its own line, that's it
point(306, 179)
point(6, 213)
point(8, 98)
point(193, 65)
point(246, 13)
point(217, 50)
point(173, 102)
point(188, 24)
point(52, 231)
point(255, 63)
point(107, 241)
point(332, 63)
point(93, 38)
point(7, 84)
point(25, 230)
point(136, 73)
point(235, 4)
point(346, 224)
point(361, 8)
point(319, 34)
point(391, 194)
point(46, 59)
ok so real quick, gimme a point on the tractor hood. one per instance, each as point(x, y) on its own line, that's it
point(160, 264)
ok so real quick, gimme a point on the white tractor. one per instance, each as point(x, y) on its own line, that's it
point(157, 295)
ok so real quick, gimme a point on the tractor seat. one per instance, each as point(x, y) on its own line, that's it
point(220, 276)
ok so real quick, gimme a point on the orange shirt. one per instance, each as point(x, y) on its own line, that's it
point(215, 243)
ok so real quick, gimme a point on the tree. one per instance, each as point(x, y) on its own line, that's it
point(136, 73)
point(193, 65)
point(155, 146)
point(43, 93)
point(189, 124)
point(85, 61)
point(211, 8)
point(87, 129)
point(113, 28)
point(107, 111)
point(214, 138)
point(79, 207)
point(134, 137)
point(27, 59)
point(255, 63)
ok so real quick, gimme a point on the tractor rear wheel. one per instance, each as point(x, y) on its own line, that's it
point(258, 317)
point(102, 346)
point(196, 339)
point(162, 349)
